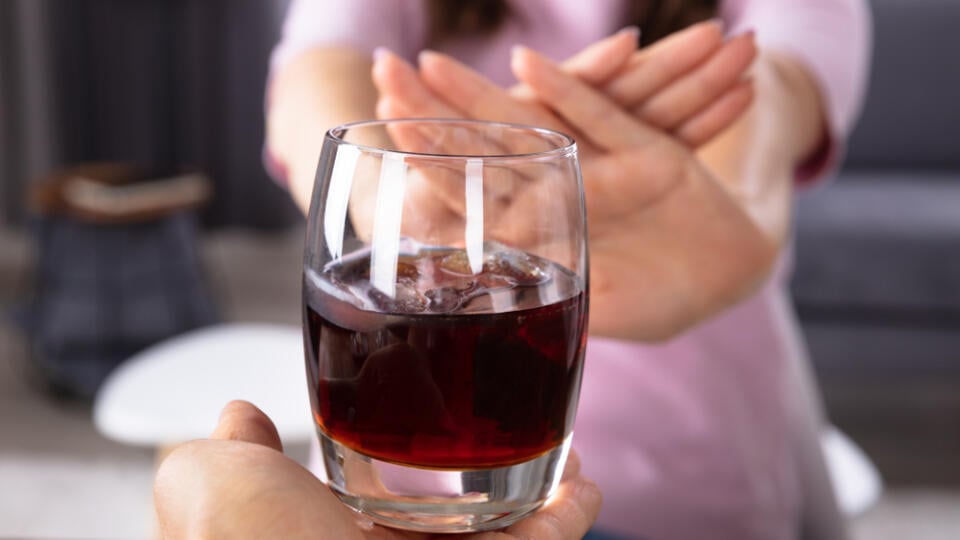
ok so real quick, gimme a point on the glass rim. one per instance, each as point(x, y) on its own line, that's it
point(568, 147)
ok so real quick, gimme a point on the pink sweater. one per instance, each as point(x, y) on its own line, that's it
point(712, 435)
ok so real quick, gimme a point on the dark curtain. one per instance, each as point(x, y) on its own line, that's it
point(165, 84)
point(27, 144)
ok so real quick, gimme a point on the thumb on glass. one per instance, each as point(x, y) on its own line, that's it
point(243, 421)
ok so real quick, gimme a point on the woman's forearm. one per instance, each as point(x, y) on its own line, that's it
point(315, 91)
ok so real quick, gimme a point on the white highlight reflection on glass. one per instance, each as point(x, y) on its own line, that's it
point(474, 204)
point(385, 248)
point(338, 197)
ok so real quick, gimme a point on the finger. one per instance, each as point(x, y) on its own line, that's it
point(242, 421)
point(409, 137)
point(597, 63)
point(404, 95)
point(718, 116)
point(435, 192)
point(406, 137)
point(400, 82)
point(588, 111)
point(655, 67)
point(680, 102)
point(475, 95)
point(179, 491)
point(438, 190)
point(481, 99)
point(569, 514)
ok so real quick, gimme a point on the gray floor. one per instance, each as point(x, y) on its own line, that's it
point(60, 479)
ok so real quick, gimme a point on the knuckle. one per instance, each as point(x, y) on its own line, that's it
point(657, 113)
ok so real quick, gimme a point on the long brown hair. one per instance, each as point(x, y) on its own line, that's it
point(656, 18)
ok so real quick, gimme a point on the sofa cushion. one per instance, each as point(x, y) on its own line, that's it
point(880, 242)
point(910, 117)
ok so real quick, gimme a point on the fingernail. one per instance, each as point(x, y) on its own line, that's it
point(632, 30)
point(515, 55)
point(379, 53)
point(716, 21)
point(426, 54)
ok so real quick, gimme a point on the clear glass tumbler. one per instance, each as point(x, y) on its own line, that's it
point(445, 313)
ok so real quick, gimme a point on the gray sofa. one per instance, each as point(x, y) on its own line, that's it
point(877, 273)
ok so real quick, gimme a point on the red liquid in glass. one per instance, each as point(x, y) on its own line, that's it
point(442, 375)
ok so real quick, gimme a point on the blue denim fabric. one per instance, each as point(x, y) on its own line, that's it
point(594, 534)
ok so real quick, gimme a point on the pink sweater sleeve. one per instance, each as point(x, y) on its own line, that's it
point(833, 39)
point(399, 25)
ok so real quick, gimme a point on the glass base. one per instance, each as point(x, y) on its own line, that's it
point(440, 500)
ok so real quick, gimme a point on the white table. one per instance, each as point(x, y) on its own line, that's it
point(173, 391)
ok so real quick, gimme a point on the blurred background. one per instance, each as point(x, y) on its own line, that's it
point(168, 96)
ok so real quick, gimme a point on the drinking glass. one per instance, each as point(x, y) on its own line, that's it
point(445, 312)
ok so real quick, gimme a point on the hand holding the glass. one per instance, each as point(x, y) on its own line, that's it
point(238, 484)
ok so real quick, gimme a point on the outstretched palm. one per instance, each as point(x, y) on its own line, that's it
point(668, 244)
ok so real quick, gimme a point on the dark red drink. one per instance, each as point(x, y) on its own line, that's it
point(454, 370)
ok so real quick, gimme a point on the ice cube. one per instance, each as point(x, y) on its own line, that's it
point(349, 272)
point(522, 268)
point(456, 262)
point(444, 299)
point(407, 270)
point(407, 299)
point(492, 282)
point(466, 286)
